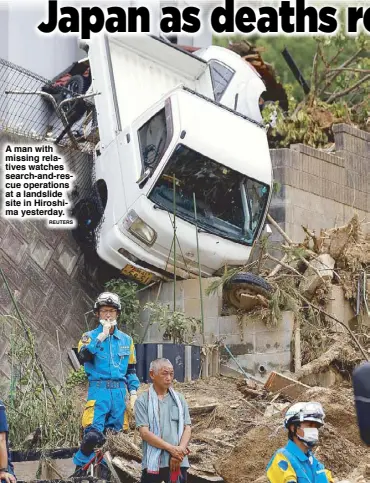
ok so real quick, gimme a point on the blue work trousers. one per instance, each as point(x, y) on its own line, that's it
point(105, 408)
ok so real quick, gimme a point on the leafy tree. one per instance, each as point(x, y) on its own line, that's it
point(129, 319)
point(337, 70)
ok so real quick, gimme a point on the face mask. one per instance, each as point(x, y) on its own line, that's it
point(310, 436)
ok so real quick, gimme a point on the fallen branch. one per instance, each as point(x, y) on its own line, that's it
point(280, 230)
point(338, 321)
point(282, 264)
point(336, 74)
point(290, 242)
point(278, 267)
point(364, 71)
point(343, 93)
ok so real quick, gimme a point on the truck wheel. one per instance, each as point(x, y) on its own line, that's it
point(87, 216)
point(249, 284)
point(76, 86)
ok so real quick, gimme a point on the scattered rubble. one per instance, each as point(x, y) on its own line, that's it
point(237, 423)
point(234, 419)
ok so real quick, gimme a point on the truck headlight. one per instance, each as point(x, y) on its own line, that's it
point(135, 225)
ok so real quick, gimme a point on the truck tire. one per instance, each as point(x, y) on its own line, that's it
point(75, 85)
point(247, 283)
point(88, 217)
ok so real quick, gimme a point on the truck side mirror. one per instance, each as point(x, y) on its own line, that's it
point(144, 177)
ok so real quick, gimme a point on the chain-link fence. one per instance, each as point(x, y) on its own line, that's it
point(34, 110)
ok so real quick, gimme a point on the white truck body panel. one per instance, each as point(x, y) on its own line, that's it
point(141, 70)
point(139, 77)
point(246, 86)
point(235, 142)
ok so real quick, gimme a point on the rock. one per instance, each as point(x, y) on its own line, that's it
point(324, 265)
point(276, 408)
point(327, 378)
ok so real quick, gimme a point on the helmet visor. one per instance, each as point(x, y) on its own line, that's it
point(313, 412)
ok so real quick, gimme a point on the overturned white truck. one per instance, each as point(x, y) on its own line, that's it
point(176, 127)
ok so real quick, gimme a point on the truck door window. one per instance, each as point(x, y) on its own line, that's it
point(153, 140)
point(221, 76)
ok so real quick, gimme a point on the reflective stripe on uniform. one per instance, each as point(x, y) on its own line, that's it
point(88, 415)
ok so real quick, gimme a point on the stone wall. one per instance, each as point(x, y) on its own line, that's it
point(250, 340)
point(321, 189)
point(45, 272)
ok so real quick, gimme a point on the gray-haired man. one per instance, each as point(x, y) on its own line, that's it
point(162, 416)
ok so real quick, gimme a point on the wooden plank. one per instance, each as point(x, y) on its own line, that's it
point(286, 386)
point(128, 471)
point(108, 460)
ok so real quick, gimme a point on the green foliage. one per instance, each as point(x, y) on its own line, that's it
point(176, 325)
point(130, 316)
point(39, 413)
point(337, 70)
point(75, 378)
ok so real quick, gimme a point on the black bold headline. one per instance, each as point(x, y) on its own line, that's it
point(288, 17)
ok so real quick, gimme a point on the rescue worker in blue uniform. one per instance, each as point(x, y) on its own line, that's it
point(109, 358)
point(295, 463)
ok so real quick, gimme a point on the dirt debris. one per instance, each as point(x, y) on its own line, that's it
point(237, 425)
point(236, 442)
point(121, 445)
point(248, 460)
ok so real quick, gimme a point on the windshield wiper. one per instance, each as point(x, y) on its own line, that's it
point(159, 207)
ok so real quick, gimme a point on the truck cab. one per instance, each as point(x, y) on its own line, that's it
point(175, 161)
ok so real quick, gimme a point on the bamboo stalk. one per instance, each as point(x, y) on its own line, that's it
point(60, 360)
point(27, 333)
point(297, 345)
point(199, 266)
point(174, 243)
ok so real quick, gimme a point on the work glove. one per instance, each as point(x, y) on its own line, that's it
point(106, 328)
point(133, 397)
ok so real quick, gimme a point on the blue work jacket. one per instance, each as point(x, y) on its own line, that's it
point(112, 359)
point(291, 464)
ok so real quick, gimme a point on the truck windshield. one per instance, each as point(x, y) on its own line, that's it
point(229, 204)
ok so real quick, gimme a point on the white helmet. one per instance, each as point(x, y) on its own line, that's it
point(304, 411)
point(109, 299)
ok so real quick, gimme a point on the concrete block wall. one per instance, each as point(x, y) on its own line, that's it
point(320, 189)
point(45, 272)
point(249, 339)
